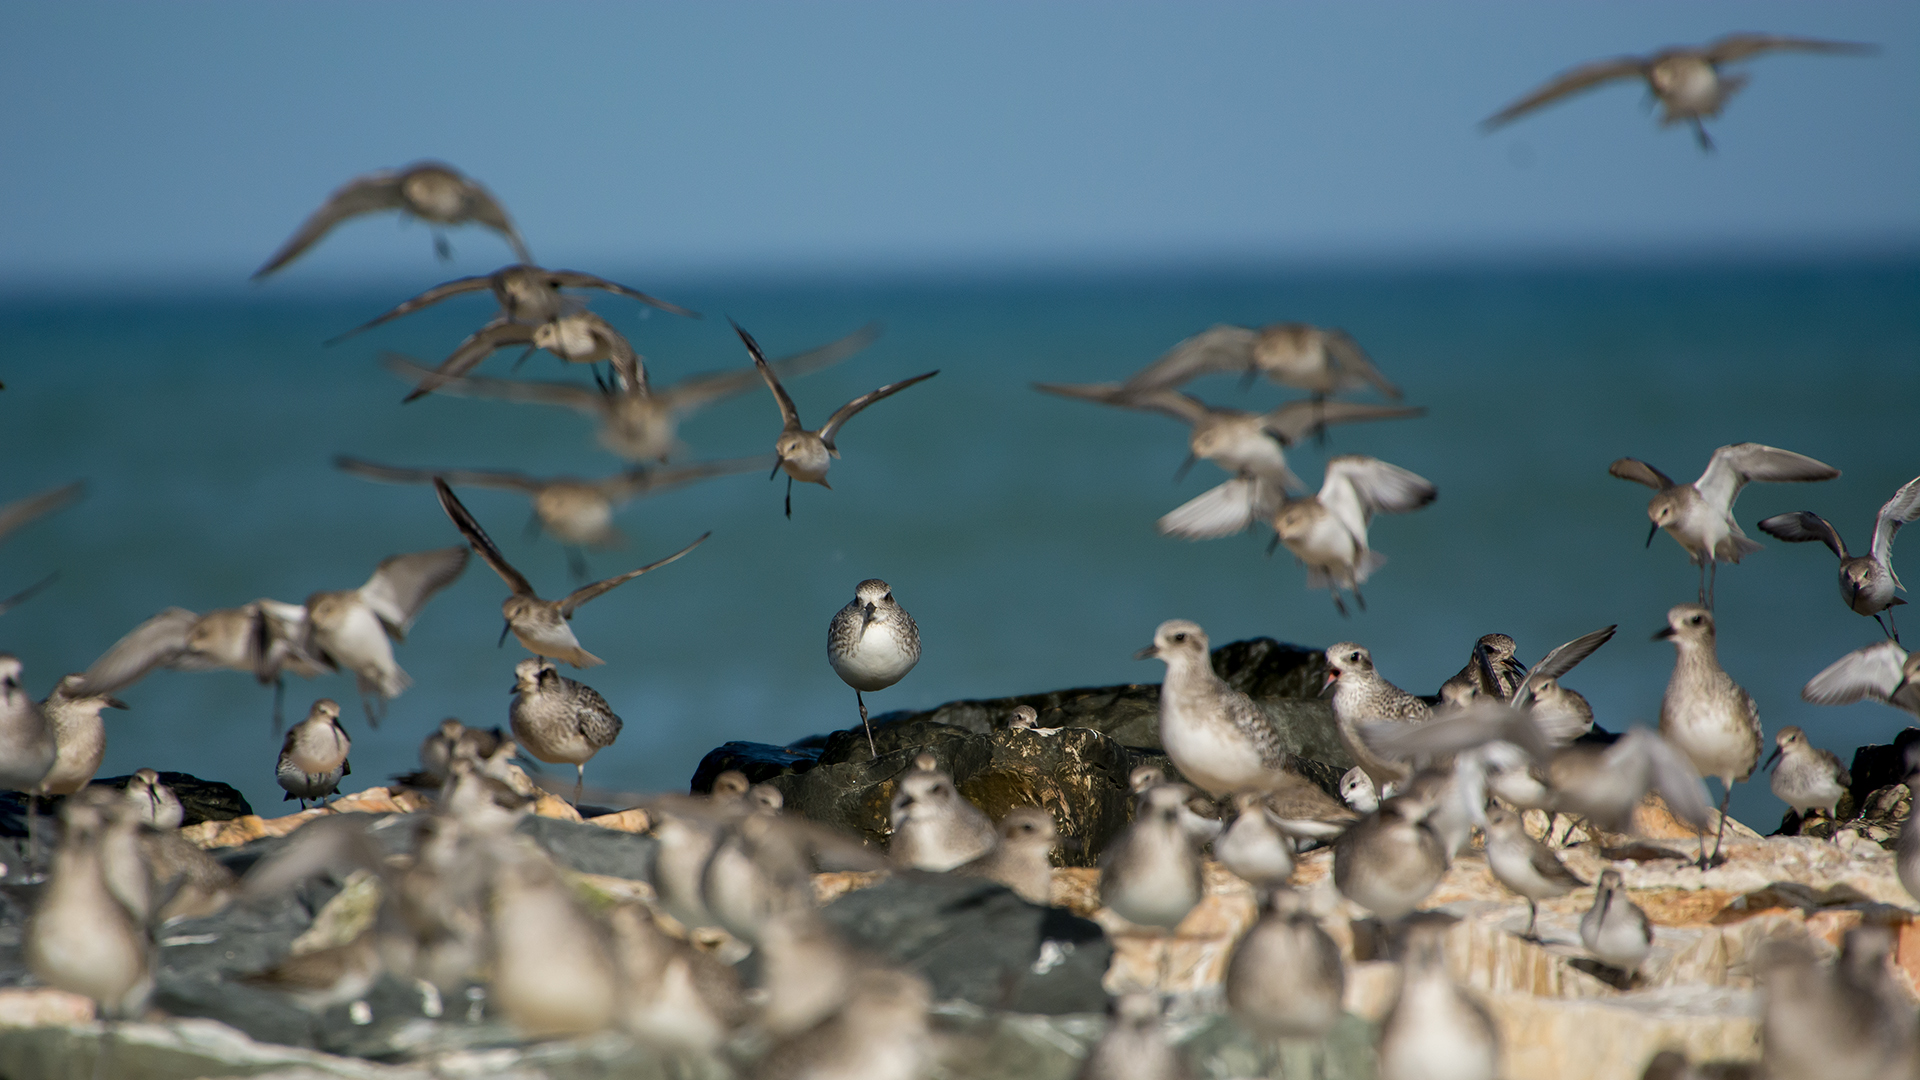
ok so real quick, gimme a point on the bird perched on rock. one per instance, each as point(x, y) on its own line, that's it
point(1217, 736)
point(1615, 930)
point(1493, 670)
point(1021, 858)
point(1361, 696)
point(1150, 874)
point(1435, 1029)
point(154, 803)
point(1882, 671)
point(1254, 847)
point(805, 455)
point(453, 738)
point(1867, 581)
point(1391, 859)
point(73, 712)
point(435, 193)
point(558, 720)
point(1526, 865)
point(1806, 777)
point(1700, 515)
point(934, 826)
point(1705, 714)
point(872, 643)
point(313, 759)
point(1285, 979)
point(1686, 80)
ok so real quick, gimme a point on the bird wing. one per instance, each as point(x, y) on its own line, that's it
point(20, 511)
point(161, 640)
point(479, 345)
point(426, 299)
point(574, 279)
point(1471, 727)
point(1549, 866)
point(481, 542)
point(1800, 526)
point(1640, 472)
point(1875, 672)
point(1298, 419)
point(485, 209)
point(281, 641)
point(585, 593)
point(1354, 360)
point(1902, 508)
point(846, 412)
point(1740, 46)
point(337, 843)
point(391, 474)
point(1568, 83)
point(626, 363)
point(1223, 510)
point(362, 195)
point(647, 481)
point(1217, 348)
point(1670, 773)
point(1356, 487)
point(789, 416)
point(402, 584)
point(9, 603)
point(1560, 661)
point(1733, 466)
point(698, 390)
point(567, 395)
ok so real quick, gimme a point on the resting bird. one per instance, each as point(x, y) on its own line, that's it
point(435, 193)
point(1686, 80)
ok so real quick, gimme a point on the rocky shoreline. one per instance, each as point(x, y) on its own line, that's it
point(1020, 989)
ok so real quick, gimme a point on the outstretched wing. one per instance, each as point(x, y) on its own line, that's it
point(1800, 526)
point(1353, 360)
point(479, 345)
point(1875, 671)
point(846, 412)
point(587, 592)
point(574, 279)
point(789, 416)
point(1298, 419)
point(1733, 47)
point(403, 584)
point(159, 641)
point(1560, 661)
point(485, 209)
point(390, 474)
point(1640, 472)
point(482, 543)
point(1902, 508)
point(566, 395)
point(424, 300)
point(367, 194)
point(1569, 83)
point(648, 481)
point(1733, 466)
point(698, 390)
point(1670, 773)
point(1232, 507)
point(1356, 487)
point(1217, 348)
point(20, 511)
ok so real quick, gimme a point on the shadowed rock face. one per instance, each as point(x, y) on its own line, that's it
point(1077, 772)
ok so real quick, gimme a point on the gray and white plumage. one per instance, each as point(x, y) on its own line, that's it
point(1882, 671)
point(453, 739)
point(73, 712)
point(1867, 582)
point(1250, 445)
point(1700, 515)
point(541, 626)
point(673, 996)
point(1362, 696)
point(558, 720)
point(1218, 737)
point(326, 977)
point(880, 1033)
point(1457, 806)
point(1526, 865)
point(1606, 784)
point(313, 758)
point(1435, 1030)
point(1391, 859)
point(1304, 811)
point(806, 454)
point(1135, 1045)
point(1285, 979)
point(637, 422)
point(1615, 930)
point(1321, 360)
point(934, 826)
point(1705, 714)
point(28, 746)
point(1254, 847)
point(552, 963)
point(872, 643)
point(153, 802)
point(1806, 777)
point(1196, 810)
point(1150, 874)
point(88, 932)
point(355, 628)
point(1843, 1020)
point(1494, 670)
point(1020, 858)
point(527, 294)
point(1686, 80)
point(263, 638)
point(576, 337)
point(434, 192)
point(1357, 789)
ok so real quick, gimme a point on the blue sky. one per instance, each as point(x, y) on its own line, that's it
point(182, 142)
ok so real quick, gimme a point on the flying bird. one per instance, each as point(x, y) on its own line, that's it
point(527, 294)
point(1687, 80)
point(435, 193)
point(1867, 581)
point(1321, 360)
point(578, 337)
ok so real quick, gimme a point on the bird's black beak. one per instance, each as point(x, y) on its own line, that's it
point(1663, 633)
point(866, 618)
point(777, 459)
point(1773, 757)
point(1485, 661)
point(114, 703)
point(1180, 473)
point(1147, 653)
point(1652, 528)
point(504, 627)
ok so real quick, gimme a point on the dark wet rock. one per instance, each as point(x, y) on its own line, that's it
point(976, 941)
point(1876, 801)
point(590, 849)
point(203, 800)
point(1878, 765)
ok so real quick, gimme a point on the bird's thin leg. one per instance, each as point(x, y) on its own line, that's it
point(790, 506)
point(579, 781)
point(1713, 579)
point(1338, 604)
point(872, 751)
point(1358, 599)
point(1272, 544)
point(279, 696)
point(577, 563)
point(1533, 917)
point(441, 247)
point(1700, 135)
point(1719, 835)
point(1888, 626)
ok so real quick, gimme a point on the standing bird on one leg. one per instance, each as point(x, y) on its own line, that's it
point(1705, 714)
point(872, 643)
point(558, 720)
point(1700, 515)
point(806, 455)
point(1867, 582)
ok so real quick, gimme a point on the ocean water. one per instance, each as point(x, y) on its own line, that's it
point(1018, 528)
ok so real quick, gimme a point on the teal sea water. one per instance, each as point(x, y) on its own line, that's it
point(1018, 528)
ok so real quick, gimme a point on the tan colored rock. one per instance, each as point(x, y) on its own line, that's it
point(633, 821)
point(553, 806)
point(41, 1007)
point(1614, 1038)
point(833, 885)
point(1194, 957)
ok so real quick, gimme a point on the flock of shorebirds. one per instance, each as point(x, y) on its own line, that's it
point(475, 912)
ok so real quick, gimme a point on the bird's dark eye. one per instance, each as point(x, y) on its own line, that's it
point(888, 598)
point(1179, 637)
point(1695, 620)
